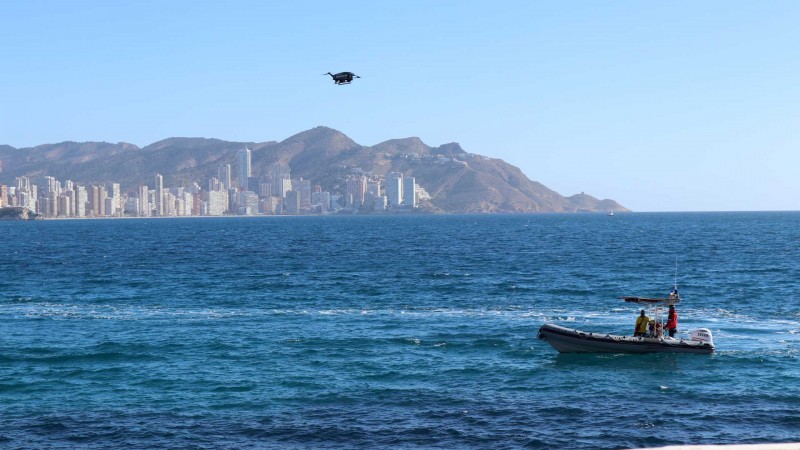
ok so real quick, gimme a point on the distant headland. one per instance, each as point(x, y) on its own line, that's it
point(18, 213)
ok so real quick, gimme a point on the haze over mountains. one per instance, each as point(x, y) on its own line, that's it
point(457, 181)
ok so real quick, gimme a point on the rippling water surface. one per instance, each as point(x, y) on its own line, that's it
point(412, 332)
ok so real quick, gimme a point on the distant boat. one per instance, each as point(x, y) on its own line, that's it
point(611, 212)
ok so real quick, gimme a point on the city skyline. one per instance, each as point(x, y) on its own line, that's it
point(293, 196)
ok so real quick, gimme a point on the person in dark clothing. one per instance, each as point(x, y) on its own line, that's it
point(672, 321)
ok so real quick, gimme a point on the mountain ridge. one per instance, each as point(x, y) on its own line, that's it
point(457, 181)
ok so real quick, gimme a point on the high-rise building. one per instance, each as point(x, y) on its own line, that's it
point(52, 204)
point(270, 205)
point(51, 184)
point(248, 203)
point(245, 170)
point(109, 206)
point(217, 203)
point(116, 200)
point(197, 203)
point(374, 188)
point(379, 203)
point(169, 204)
point(233, 204)
point(304, 188)
point(215, 185)
point(409, 192)
point(321, 201)
point(65, 204)
point(265, 190)
point(96, 206)
point(357, 187)
point(394, 188)
point(24, 198)
point(293, 202)
point(131, 205)
point(81, 198)
point(23, 184)
point(103, 197)
point(286, 186)
point(280, 173)
point(159, 195)
point(224, 175)
point(144, 202)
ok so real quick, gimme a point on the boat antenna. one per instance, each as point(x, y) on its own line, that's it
point(676, 274)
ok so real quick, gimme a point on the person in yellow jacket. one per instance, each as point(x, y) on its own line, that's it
point(641, 325)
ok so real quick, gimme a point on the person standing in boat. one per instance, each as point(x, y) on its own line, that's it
point(672, 321)
point(641, 325)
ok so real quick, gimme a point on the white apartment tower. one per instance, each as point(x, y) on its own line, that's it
point(394, 188)
point(159, 195)
point(81, 198)
point(143, 207)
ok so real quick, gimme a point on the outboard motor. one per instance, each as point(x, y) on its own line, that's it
point(702, 335)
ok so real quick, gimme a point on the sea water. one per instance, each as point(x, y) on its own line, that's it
point(395, 331)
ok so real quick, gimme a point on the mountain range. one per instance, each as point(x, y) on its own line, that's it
point(456, 181)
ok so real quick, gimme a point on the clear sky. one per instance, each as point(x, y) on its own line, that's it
point(662, 106)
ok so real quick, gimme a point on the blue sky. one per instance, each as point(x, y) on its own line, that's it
point(662, 106)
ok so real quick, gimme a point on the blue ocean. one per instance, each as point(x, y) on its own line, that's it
point(393, 331)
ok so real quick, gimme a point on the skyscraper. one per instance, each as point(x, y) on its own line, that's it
point(95, 202)
point(280, 173)
point(394, 188)
point(217, 201)
point(374, 188)
point(215, 185)
point(244, 168)
point(81, 198)
point(103, 197)
point(224, 175)
point(143, 207)
point(159, 195)
point(409, 192)
point(293, 202)
point(357, 187)
point(116, 200)
point(304, 188)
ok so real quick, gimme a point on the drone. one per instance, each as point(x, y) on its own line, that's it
point(342, 77)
